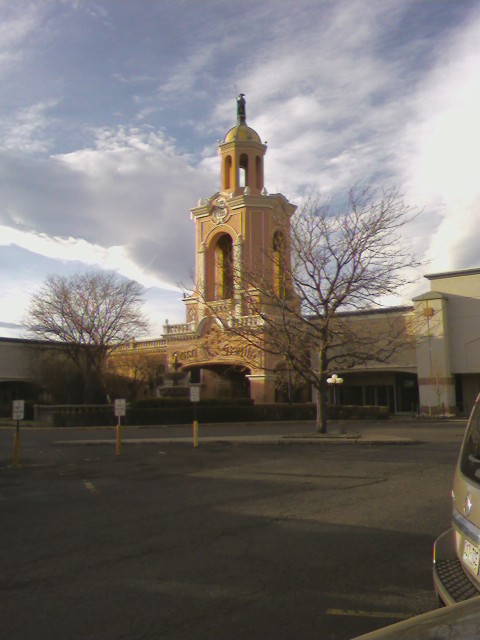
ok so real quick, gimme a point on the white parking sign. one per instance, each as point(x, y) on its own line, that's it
point(18, 411)
point(194, 394)
point(120, 407)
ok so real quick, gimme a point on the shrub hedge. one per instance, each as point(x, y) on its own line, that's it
point(357, 412)
point(162, 411)
point(154, 403)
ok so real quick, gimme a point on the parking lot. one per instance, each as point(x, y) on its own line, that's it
point(227, 540)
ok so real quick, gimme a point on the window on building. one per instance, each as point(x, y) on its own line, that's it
point(224, 268)
point(350, 395)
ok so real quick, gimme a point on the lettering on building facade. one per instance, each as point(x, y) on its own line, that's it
point(191, 354)
point(209, 351)
point(246, 352)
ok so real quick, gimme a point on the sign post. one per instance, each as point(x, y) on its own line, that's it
point(18, 413)
point(194, 398)
point(120, 411)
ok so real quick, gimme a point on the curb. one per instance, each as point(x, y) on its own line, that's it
point(249, 440)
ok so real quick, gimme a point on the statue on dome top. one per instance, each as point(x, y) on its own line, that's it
point(241, 109)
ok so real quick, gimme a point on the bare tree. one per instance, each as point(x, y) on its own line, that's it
point(335, 269)
point(90, 314)
point(61, 380)
point(129, 371)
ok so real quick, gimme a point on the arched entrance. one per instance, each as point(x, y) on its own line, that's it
point(221, 380)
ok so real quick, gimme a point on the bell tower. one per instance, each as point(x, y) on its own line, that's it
point(240, 225)
point(239, 229)
point(242, 154)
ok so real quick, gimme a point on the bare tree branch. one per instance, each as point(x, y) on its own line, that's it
point(339, 267)
point(91, 314)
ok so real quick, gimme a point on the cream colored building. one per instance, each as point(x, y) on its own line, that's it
point(448, 347)
point(21, 373)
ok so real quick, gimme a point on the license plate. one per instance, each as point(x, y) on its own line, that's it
point(471, 557)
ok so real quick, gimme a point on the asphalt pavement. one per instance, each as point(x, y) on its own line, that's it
point(228, 540)
point(397, 431)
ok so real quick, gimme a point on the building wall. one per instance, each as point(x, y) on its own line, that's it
point(463, 318)
point(18, 360)
point(448, 352)
point(21, 371)
point(470, 390)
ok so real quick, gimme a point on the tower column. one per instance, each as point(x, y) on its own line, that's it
point(435, 380)
point(201, 275)
point(238, 277)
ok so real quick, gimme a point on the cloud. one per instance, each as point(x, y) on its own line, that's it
point(25, 130)
point(328, 111)
point(389, 104)
point(10, 325)
point(11, 330)
point(124, 201)
point(22, 272)
point(342, 91)
point(121, 204)
point(79, 251)
point(19, 22)
point(91, 8)
point(442, 151)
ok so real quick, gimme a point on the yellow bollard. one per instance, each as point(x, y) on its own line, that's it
point(16, 446)
point(195, 433)
point(119, 438)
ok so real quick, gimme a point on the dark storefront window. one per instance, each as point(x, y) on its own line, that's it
point(406, 388)
point(351, 395)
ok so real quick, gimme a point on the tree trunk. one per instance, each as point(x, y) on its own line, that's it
point(321, 394)
point(321, 421)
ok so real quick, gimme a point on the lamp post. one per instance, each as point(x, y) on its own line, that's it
point(334, 380)
point(175, 375)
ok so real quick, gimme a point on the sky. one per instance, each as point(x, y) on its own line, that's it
point(110, 113)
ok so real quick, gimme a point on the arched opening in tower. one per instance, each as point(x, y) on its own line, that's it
point(224, 267)
point(243, 170)
point(227, 171)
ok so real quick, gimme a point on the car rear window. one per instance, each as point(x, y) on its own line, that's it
point(470, 456)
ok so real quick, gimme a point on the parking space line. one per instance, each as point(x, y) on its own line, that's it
point(368, 614)
point(90, 487)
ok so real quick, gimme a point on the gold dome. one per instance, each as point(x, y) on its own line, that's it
point(242, 133)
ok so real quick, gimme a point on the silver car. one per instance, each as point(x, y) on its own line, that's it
point(460, 622)
point(456, 553)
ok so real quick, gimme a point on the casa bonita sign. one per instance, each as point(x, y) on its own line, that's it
point(226, 350)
